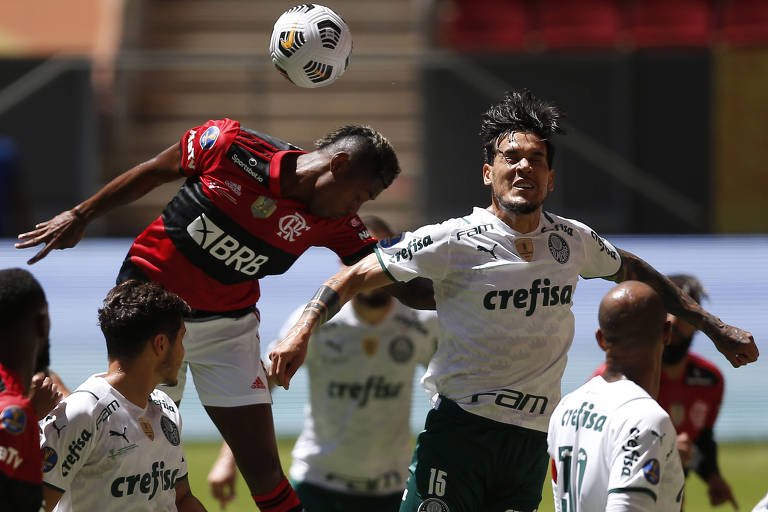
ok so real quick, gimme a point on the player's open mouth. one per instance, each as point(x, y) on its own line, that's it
point(522, 185)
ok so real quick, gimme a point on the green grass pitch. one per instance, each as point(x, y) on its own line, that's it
point(744, 465)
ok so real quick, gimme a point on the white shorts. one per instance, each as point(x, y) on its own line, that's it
point(224, 356)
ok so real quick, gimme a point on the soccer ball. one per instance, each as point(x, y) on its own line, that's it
point(310, 45)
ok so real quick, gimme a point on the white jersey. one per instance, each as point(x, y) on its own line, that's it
point(356, 436)
point(762, 506)
point(504, 307)
point(614, 449)
point(105, 453)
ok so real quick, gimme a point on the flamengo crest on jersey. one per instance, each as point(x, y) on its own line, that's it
point(105, 453)
point(504, 306)
point(610, 438)
point(356, 435)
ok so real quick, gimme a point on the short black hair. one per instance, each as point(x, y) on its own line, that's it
point(20, 295)
point(690, 285)
point(520, 111)
point(367, 146)
point(135, 311)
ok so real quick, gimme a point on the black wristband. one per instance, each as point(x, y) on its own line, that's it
point(325, 303)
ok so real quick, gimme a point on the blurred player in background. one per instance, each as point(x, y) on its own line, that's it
point(612, 446)
point(115, 443)
point(250, 206)
point(691, 392)
point(353, 451)
point(504, 277)
point(24, 328)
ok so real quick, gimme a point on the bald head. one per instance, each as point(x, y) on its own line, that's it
point(632, 313)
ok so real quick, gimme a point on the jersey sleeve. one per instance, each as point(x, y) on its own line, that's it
point(644, 451)
point(67, 439)
point(425, 252)
point(203, 146)
point(349, 239)
point(601, 259)
point(19, 440)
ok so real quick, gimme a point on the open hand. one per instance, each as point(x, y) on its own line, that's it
point(61, 232)
point(288, 356)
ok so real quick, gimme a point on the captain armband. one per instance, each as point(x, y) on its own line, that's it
point(325, 303)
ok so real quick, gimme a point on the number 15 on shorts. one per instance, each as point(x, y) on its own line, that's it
point(437, 482)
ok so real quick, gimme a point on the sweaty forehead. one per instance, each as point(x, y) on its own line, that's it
point(521, 141)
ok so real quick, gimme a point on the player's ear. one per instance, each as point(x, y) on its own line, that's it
point(667, 334)
point(551, 181)
point(339, 162)
point(487, 174)
point(601, 340)
point(160, 344)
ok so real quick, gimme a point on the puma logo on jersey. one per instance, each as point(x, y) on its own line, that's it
point(114, 433)
point(224, 247)
point(489, 251)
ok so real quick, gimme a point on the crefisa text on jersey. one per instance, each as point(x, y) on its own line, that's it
point(584, 417)
point(528, 298)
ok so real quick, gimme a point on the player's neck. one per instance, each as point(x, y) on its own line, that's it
point(134, 385)
point(298, 176)
point(675, 371)
point(520, 222)
point(646, 378)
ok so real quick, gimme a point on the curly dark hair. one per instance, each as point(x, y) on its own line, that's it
point(520, 111)
point(20, 295)
point(135, 311)
point(367, 147)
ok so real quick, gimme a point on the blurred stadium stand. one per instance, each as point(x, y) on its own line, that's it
point(91, 87)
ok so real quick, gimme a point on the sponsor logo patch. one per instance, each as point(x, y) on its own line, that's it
point(652, 471)
point(13, 420)
point(50, 459)
point(209, 137)
point(389, 242)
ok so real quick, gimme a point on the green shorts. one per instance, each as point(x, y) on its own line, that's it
point(468, 463)
point(314, 497)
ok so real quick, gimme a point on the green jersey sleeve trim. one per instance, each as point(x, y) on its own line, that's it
point(625, 490)
point(384, 266)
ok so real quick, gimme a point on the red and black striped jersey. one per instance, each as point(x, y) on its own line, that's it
point(229, 225)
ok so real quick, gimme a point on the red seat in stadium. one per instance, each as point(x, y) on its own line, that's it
point(745, 22)
point(582, 24)
point(487, 25)
point(665, 23)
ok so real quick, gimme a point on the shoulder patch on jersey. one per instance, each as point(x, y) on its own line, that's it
point(209, 137)
point(170, 430)
point(652, 471)
point(389, 242)
point(433, 505)
point(50, 459)
point(13, 420)
point(558, 248)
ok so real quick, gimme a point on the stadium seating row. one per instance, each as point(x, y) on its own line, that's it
point(491, 25)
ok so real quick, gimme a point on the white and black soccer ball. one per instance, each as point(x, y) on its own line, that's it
point(310, 45)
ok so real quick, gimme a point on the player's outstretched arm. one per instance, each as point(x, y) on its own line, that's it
point(736, 344)
point(66, 229)
point(185, 500)
point(289, 354)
